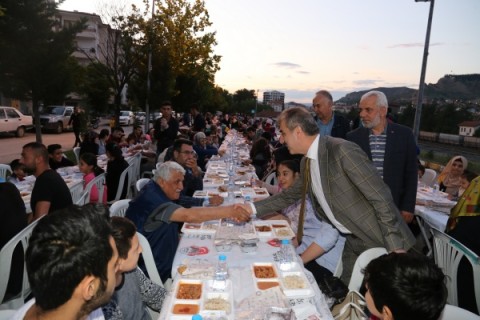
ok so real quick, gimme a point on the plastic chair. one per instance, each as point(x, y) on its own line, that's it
point(447, 253)
point(7, 314)
point(362, 261)
point(76, 151)
point(455, 313)
point(77, 194)
point(118, 208)
point(99, 183)
point(125, 175)
point(151, 268)
point(271, 179)
point(428, 177)
point(5, 171)
point(5, 265)
point(141, 183)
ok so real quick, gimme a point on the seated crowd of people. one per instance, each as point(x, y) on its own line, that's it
point(175, 152)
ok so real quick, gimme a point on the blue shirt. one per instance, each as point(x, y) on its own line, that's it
point(326, 129)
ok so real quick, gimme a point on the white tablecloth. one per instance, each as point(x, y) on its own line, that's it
point(240, 265)
point(434, 218)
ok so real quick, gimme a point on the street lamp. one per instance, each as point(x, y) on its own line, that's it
point(421, 87)
point(147, 106)
point(256, 105)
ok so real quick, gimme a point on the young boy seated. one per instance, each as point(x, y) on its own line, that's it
point(56, 158)
point(18, 174)
point(405, 286)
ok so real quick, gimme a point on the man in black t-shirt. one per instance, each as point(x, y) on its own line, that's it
point(50, 192)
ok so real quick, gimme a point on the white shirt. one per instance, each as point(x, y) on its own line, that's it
point(96, 314)
point(316, 181)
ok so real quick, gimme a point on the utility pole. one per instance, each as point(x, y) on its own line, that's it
point(421, 87)
point(147, 106)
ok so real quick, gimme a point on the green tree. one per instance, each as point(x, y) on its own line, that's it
point(95, 87)
point(183, 63)
point(35, 59)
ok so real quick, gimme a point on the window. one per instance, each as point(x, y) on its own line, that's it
point(12, 114)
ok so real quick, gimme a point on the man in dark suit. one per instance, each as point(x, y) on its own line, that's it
point(344, 187)
point(329, 123)
point(392, 149)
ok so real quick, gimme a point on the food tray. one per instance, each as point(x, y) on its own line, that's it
point(269, 229)
point(255, 193)
point(184, 309)
point(207, 227)
point(209, 193)
point(213, 182)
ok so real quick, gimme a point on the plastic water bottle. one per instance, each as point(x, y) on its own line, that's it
point(435, 190)
point(231, 191)
point(197, 317)
point(253, 181)
point(286, 255)
point(206, 202)
point(221, 273)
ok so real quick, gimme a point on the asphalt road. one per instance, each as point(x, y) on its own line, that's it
point(11, 146)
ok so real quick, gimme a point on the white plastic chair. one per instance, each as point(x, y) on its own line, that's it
point(141, 183)
point(271, 179)
point(447, 253)
point(5, 171)
point(77, 194)
point(76, 151)
point(118, 208)
point(362, 261)
point(151, 268)
point(5, 265)
point(99, 183)
point(455, 313)
point(7, 314)
point(428, 177)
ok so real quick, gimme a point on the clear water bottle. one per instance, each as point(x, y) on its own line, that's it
point(221, 273)
point(253, 181)
point(206, 202)
point(286, 255)
point(436, 187)
point(231, 191)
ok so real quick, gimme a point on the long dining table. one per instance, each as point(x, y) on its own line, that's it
point(432, 210)
point(247, 246)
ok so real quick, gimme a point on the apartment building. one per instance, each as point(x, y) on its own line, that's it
point(275, 99)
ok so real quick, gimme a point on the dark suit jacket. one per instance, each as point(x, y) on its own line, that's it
point(400, 170)
point(356, 194)
point(340, 126)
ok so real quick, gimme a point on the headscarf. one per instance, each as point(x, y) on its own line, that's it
point(452, 184)
point(468, 205)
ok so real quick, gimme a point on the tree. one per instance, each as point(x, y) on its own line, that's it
point(95, 87)
point(35, 59)
point(184, 65)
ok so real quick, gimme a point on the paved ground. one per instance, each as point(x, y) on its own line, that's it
point(11, 146)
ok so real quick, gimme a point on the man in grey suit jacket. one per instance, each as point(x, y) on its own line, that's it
point(345, 189)
point(392, 148)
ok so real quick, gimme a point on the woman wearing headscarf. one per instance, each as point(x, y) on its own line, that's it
point(450, 179)
point(204, 151)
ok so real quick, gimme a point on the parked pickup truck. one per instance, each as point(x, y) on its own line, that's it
point(55, 118)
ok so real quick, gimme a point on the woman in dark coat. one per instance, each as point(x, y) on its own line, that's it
point(115, 166)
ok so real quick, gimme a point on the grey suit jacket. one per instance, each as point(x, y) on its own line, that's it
point(356, 194)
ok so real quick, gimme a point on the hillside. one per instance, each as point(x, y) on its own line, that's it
point(454, 87)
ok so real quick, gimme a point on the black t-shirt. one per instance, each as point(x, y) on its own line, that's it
point(50, 187)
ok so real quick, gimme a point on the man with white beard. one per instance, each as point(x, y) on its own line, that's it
point(392, 149)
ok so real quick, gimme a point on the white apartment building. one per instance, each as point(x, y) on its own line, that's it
point(275, 99)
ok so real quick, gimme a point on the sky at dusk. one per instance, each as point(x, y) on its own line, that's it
point(299, 47)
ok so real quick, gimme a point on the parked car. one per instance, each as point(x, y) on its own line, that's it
point(126, 117)
point(55, 118)
point(140, 117)
point(12, 120)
